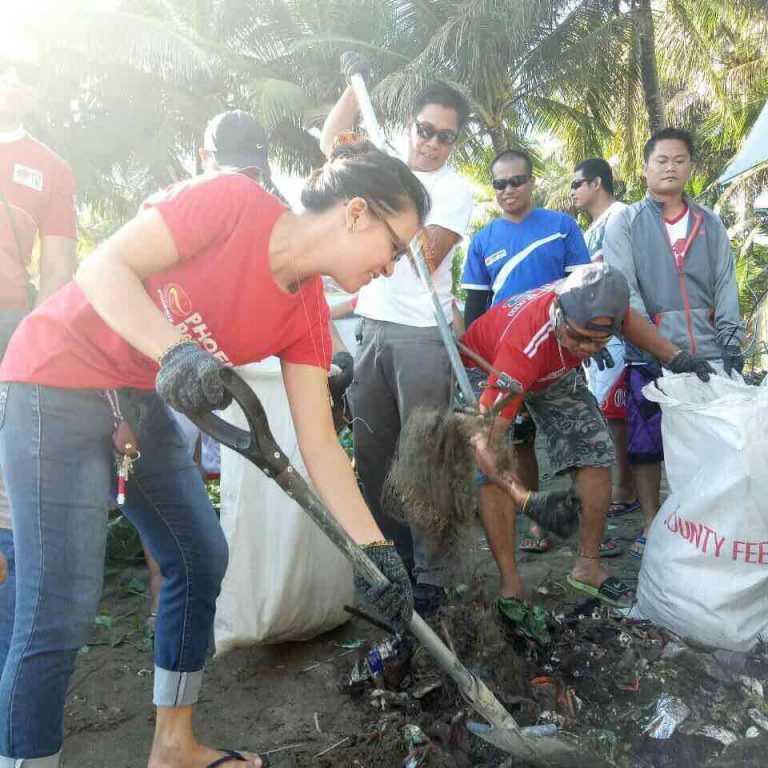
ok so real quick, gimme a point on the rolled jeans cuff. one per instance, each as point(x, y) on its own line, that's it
point(175, 689)
point(31, 762)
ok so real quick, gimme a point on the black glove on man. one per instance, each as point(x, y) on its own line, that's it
point(189, 380)
point(683, 362)
point(603, 359)
point(353, 63)
point(394, 601)
point(733, 359)
point(339, 380)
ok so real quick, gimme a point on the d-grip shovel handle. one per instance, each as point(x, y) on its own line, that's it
point(260, 447)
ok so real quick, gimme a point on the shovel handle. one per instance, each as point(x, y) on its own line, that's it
point(259, 447)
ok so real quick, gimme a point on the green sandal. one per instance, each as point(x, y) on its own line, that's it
point(518, 616)
point(610, 592)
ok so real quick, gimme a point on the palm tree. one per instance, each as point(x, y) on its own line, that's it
point(127, 92)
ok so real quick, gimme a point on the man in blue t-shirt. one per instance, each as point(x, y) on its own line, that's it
point(523, 249)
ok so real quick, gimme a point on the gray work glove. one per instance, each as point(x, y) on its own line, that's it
point(340, 376)
point(394, 601)
point(555, 511)
point(353, 63)
point(684, 362)
point(189, 380)
point(603, 359)
point(733, 359)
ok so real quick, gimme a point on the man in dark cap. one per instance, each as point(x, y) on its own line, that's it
point(236, 141)
point(538, 339)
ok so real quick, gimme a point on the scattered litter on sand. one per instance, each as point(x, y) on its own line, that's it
point(605, 679)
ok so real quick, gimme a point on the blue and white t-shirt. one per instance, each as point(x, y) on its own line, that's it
point(509, 257)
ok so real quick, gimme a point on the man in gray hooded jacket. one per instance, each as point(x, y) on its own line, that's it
point(677, 260)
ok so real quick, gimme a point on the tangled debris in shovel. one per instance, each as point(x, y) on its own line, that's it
point(634, 695)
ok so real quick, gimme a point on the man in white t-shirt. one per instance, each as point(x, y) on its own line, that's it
point(592, 191)
point(402, 363)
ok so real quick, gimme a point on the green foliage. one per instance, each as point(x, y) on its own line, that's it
point(126, 93)
point(123, 543)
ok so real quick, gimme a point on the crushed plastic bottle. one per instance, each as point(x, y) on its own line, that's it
point(372, 666)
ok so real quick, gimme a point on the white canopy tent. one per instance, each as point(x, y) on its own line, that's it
point(753, 153)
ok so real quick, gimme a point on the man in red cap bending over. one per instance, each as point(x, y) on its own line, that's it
point(538, 339)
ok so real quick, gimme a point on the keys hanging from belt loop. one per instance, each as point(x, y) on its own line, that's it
point(124, 466)
point(125, 444)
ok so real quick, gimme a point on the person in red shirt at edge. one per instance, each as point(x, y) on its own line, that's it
point(539, 338)
point(218, 272)
point(37, 201)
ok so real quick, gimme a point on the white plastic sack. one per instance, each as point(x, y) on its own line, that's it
point(705, 568)
point(285, 580)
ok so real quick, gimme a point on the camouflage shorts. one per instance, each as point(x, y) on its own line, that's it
point(570, 425)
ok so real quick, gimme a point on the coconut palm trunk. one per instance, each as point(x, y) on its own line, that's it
point(649, 72)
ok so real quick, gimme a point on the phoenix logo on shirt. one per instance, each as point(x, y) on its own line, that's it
point(177, 301)
point(178, 310)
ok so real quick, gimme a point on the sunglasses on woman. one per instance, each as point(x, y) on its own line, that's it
point(427, 131)
point(513, 181)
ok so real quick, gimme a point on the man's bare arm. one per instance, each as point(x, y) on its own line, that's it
point(58, 261)
point(341, 118)
point(436, 243)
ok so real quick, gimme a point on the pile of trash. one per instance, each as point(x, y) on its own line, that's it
point(634, 695)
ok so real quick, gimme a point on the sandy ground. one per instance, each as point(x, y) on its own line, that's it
point(263, 699)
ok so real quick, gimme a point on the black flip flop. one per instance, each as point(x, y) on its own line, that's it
point(231, 755)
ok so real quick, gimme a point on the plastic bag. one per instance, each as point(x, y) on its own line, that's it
point(705, 567)
point(285, 580)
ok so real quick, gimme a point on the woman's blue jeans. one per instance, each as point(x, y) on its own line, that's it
point(59, 468)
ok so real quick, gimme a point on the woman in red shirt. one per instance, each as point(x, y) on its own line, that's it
point(214, 272)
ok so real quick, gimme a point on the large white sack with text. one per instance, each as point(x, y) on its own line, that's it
point(705, 568)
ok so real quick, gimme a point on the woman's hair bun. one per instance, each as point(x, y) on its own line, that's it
point(350, 144)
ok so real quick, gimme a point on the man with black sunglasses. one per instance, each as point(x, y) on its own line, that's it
point(36, 206)
point(524, 248)
point(402, 363)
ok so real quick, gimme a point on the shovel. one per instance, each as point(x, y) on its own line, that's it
point(259, 447)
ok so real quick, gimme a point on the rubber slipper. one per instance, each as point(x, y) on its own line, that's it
point(610, 548)
point(621, 508)
point(233, 756)
point(640, 541)
point(518, 616)
point(608, 592)
point(535, 544)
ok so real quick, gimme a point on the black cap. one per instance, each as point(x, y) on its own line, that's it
point(595, 290)
point(238, 139)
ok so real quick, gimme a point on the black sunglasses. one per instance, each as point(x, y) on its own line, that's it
point(513, 181)
point(578, 182)
point(427, 131)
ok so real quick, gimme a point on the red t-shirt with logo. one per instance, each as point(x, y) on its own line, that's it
point(221, 293)
point(517, 337)
point(40, 192)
